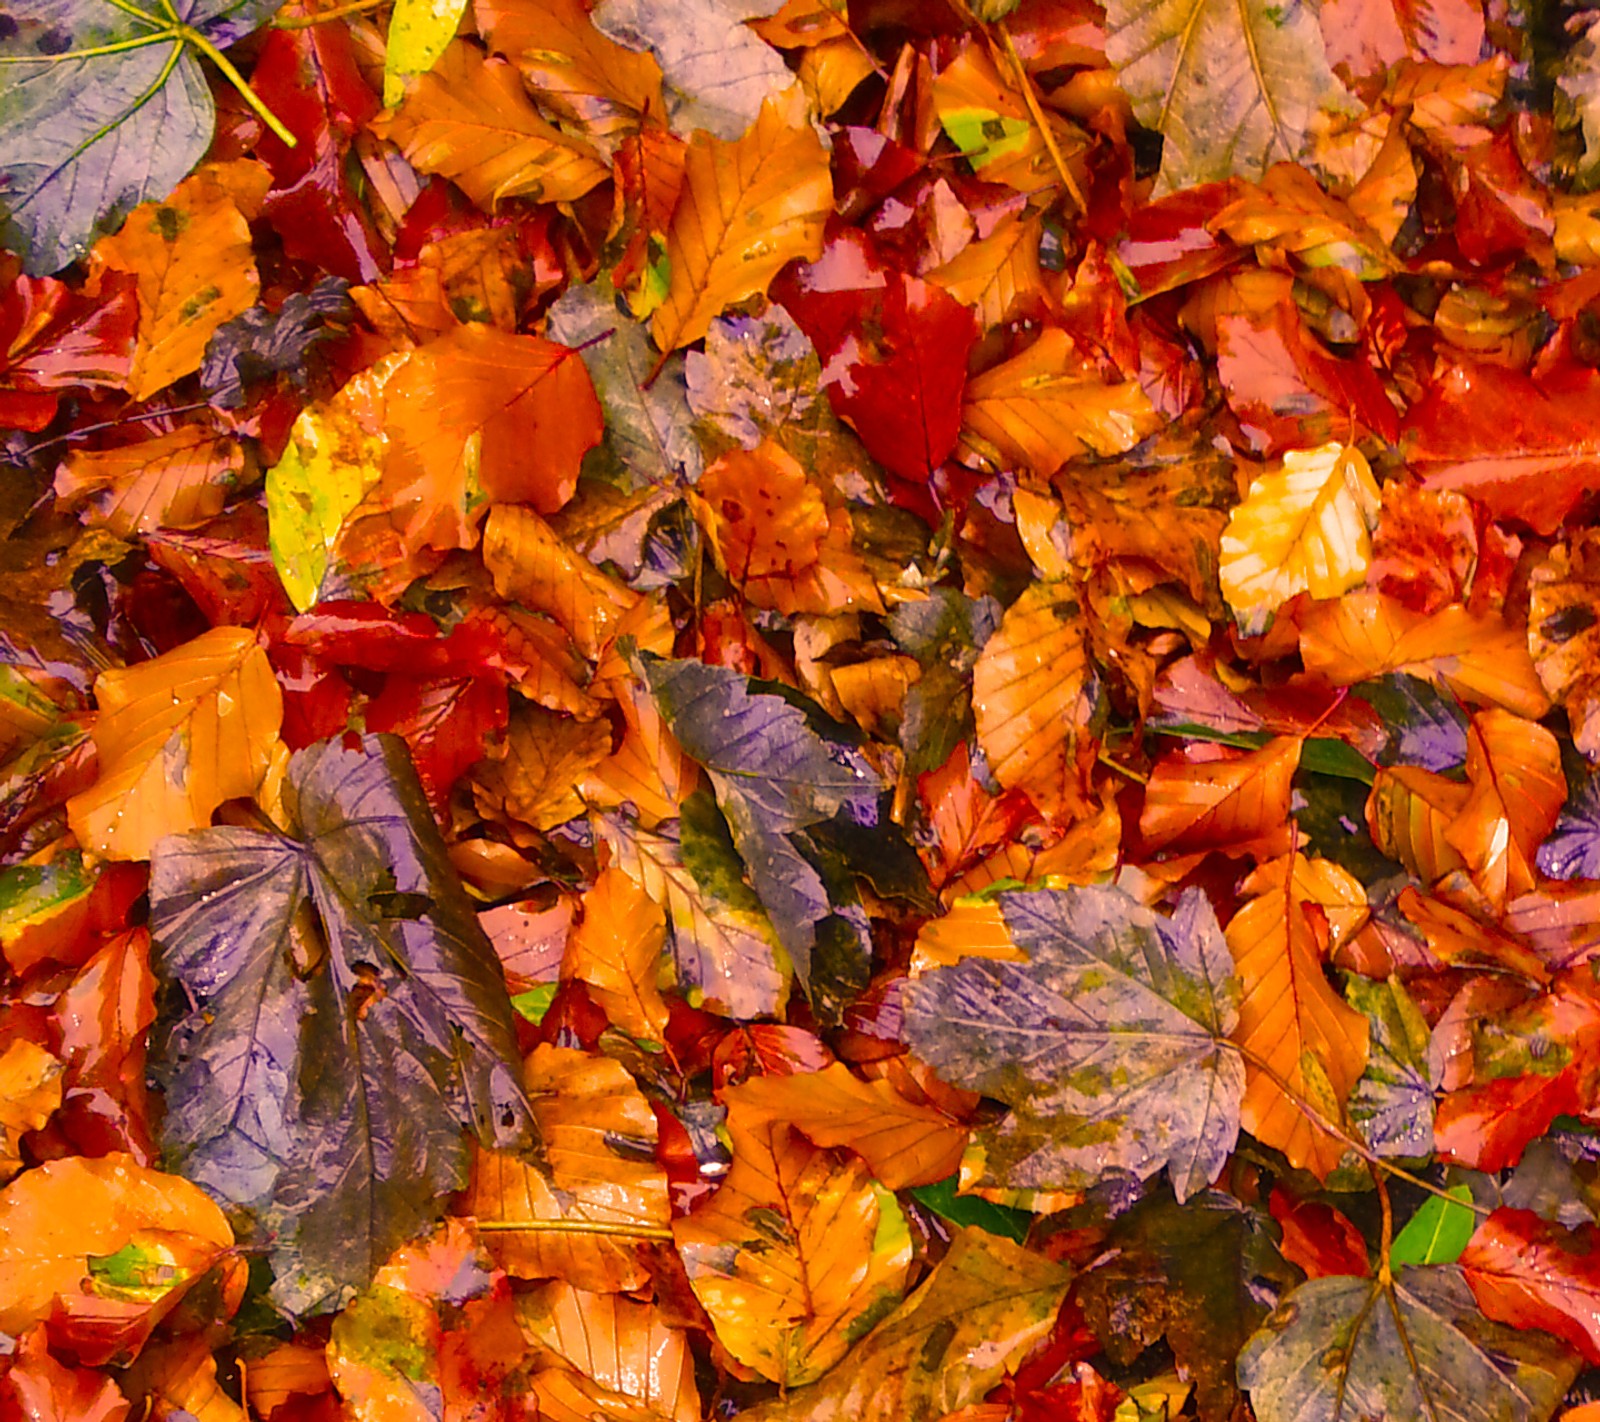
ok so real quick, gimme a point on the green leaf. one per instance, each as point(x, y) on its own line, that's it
point(1419, 1351)
point(419, 32)
point(985, 1305)
point(1232, 86)
point(1109, 1044)
point(648, 420)
point(774, 777)
point(333, 1055)
point(1438, 1232)
point(715, 70)
point(1324, 755)
point(102, 106)
point(941, 1197)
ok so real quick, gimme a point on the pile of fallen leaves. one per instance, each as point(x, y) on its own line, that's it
point(799, 710)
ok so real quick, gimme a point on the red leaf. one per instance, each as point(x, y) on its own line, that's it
point(309, 78)
point(444, 721)
point(1318, 1237)
point(894, 350)
point(1530, 1273)
point(52, 339)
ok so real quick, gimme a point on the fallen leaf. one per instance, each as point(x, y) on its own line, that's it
point(1530, 1273)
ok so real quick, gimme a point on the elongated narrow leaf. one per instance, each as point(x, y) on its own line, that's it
point(1108, 1043)
point(349, 1021)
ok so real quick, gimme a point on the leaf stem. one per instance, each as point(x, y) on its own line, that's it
point(1031, 98)
point(621, 1231)
point(239, 82)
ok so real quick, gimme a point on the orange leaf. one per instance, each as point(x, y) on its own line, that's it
point(796, 1252)
point(1292, 1020)
point(174, 480)
point(1478, 657)
point(30, 1092)
point(904, 1144)
point(479, 416)
point(1514, 768)
point(747, 207)
point(60, 1221)
point(597, 1165)
point(1032, 692)
point(470, 121)
point(40, 1389)
point(535, 782)
point(1408, 812)
point(625, 1349)
point(482, 275)
point(195, 268)
point(178, 735)
point(1235, 802)
point(993, 272)
point(616, 949)
point(1564, 633)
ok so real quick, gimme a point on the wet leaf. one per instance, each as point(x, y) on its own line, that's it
point(1108, 1043)
point(1417, 1348)
point(360, 929)
point(1438, 1232)
point(1532, 1274)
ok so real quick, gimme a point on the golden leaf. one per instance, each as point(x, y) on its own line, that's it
point(195, 267)
point(1046, 406)
point(990, 273)
point(616, 950)
point(1408, 811)
point(796, 1252)
point(903, 1143)
point(535, 783)
point(469, 121)
point(1291, 1019)
point(597, 1166)
point(532, 566)
point(1305, 528)
point(1031, 689)
point(747, 207)
point(177, 736)
point(173, 480)
point(30, 1092)
point(622, 1347)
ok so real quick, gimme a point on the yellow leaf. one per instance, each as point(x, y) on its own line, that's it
point(616, 950)
point(625, 1347)
point(903, 1143)
point(747, 207)
point(1305, 528)
point(177, 736)
point(195, 267)
point(419, 32)
point(796, 1252)
point(469, 121)
point(1046, 406)
point(597, 1167)
point(1291, 1019)
point(30, 1092)
point(1031, 690)
point(174, 480)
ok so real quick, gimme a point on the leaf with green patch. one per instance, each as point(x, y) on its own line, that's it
point(1414, 1350)
point(944, 631)
point(774, 777)
point(1109, 1044)
point(1392, 1104)
point(333, 1054)
point(103, 107)
point(945, 1201)
point(1438, 1232)
point(648, 420)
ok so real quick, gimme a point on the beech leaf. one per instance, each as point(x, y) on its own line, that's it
point(1108, 1043)
point(349, 1020)
point(1232, 86)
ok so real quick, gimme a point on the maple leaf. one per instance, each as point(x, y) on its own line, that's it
point(1107, 1043)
